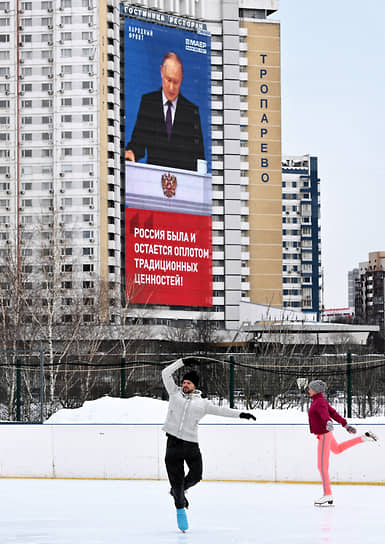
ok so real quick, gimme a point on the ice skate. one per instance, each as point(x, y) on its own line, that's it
point(369, 437)
point(325, 500)
point(181, 518)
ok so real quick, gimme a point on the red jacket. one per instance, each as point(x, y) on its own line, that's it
point(320, 412)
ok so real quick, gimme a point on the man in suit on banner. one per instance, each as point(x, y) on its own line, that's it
point(168, 125)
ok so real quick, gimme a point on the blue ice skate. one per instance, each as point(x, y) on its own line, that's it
point(181, 518)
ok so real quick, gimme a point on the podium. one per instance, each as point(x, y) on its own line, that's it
point(150, 187)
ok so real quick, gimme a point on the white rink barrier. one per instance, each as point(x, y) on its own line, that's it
point(245, 452)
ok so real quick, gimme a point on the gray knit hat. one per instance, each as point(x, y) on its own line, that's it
point(318, 386)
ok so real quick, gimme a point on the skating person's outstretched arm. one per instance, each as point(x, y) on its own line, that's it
point(336, 416)
point(226, 412)
point(167, 378)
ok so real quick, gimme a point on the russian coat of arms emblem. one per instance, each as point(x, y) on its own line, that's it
point(169, 183)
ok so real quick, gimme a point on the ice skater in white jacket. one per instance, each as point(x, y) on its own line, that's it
point(186, 408)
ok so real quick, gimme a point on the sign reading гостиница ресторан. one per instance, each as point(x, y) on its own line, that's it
point(162, 18)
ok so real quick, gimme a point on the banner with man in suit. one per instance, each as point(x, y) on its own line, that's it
point(168, 164)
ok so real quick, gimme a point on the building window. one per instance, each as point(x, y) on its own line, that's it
point(46, 38)
point(66, 69)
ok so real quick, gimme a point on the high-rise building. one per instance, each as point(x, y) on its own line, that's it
point(370, 290)
point(246, 157)
point(301, 234)
point(61, 144)
point(353, 276)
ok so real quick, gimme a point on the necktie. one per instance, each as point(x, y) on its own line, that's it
point(169, 120)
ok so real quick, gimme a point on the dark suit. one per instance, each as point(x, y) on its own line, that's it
point(186, 143)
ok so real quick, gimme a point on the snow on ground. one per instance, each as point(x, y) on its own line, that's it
point(142, 512)
point(147, 410)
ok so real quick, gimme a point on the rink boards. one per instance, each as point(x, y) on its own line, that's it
point(235, 452)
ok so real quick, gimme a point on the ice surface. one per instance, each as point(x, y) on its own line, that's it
point(137, 512)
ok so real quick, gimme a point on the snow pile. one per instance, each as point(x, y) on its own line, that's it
point(147, 410)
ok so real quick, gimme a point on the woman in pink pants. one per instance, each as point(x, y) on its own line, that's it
point(321, 424)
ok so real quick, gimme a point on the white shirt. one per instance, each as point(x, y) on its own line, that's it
point(186, 410)
point(165, 107)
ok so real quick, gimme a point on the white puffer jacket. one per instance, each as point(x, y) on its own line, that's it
point(186, 410)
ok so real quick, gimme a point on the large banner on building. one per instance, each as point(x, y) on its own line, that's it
point(168, 165)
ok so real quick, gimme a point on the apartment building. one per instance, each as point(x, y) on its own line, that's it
point(301, 234)
point(61, 143)
point(370, 290)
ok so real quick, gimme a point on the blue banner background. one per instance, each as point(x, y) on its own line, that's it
point(142, 71)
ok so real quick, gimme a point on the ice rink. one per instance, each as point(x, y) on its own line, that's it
point(105, 511)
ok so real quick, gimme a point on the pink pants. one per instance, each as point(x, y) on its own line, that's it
point(327, 442)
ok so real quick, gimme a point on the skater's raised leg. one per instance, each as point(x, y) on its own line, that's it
point(193, 460)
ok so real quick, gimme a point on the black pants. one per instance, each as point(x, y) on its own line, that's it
point(177, 453)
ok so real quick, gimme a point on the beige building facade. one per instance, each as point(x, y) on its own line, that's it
point(264, 142)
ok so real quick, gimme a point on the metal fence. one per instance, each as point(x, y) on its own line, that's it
point(32, 389)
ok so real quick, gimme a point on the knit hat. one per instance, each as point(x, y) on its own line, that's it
point(192, 376)
point(318, 386)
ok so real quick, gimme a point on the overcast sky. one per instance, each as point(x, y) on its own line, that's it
point(333, 96)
